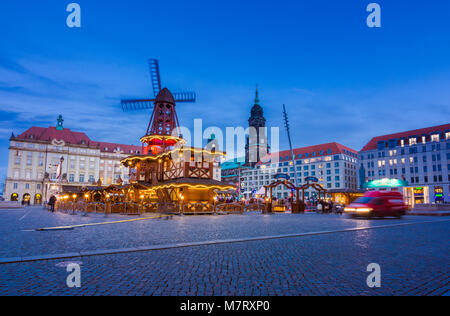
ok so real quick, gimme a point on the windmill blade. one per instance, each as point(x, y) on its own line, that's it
point(154, 75)
point(185, 97)
point(137, 105)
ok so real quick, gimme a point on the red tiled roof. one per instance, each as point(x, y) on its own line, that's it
point(73, 138)
point(50, 133)
point(111, 147)
point(334, 148)
point(372, 144)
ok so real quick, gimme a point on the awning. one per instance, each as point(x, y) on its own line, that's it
point(385, 183)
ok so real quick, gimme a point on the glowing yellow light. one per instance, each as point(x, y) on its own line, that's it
point(168, 154)
point(364, 210)
point(86, 196)
point(74, 196)
point(107, 196)
point(194, 186)
point(142, 197)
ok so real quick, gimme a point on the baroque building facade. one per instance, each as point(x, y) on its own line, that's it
point(42, 160)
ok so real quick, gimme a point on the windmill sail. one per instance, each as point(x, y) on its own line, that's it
point(144, 104)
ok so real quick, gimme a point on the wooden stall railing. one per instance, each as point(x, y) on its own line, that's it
point(230, 208)
point(125, 208)
point(255, 207)
point(198, 208)
point(161, 208)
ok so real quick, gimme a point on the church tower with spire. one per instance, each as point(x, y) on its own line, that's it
point(257, 146)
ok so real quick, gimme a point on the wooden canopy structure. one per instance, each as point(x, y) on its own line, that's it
point(318, 187)
point(299, 205)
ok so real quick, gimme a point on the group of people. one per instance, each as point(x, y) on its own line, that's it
point(228, 199)
point(325, 207)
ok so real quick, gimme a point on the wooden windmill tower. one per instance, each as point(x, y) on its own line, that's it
point(175, 174)
point(164, 129)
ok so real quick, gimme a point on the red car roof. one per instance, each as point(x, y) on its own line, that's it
point(383, 193)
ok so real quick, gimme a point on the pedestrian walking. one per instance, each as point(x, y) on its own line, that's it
point(52, 203)
point(319, 207)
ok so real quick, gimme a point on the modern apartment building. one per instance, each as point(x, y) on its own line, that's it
point(41, 160)
point(419, 157)
point(333, 165)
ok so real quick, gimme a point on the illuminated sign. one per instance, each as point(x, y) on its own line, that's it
point(311, 179)
point(385, 183)
point(282, 176)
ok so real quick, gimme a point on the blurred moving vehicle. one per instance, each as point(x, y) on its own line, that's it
point(378, 204)
point(338, 209)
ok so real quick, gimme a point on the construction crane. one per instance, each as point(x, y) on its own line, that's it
point(155, 77)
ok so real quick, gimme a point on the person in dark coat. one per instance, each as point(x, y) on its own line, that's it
point(52, 203)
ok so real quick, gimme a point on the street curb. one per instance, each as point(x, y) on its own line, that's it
point(91, 253)
point(428, 214)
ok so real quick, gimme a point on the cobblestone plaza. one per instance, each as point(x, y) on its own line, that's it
point(250, 254)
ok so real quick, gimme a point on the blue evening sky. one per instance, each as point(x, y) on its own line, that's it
point(340, 80)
